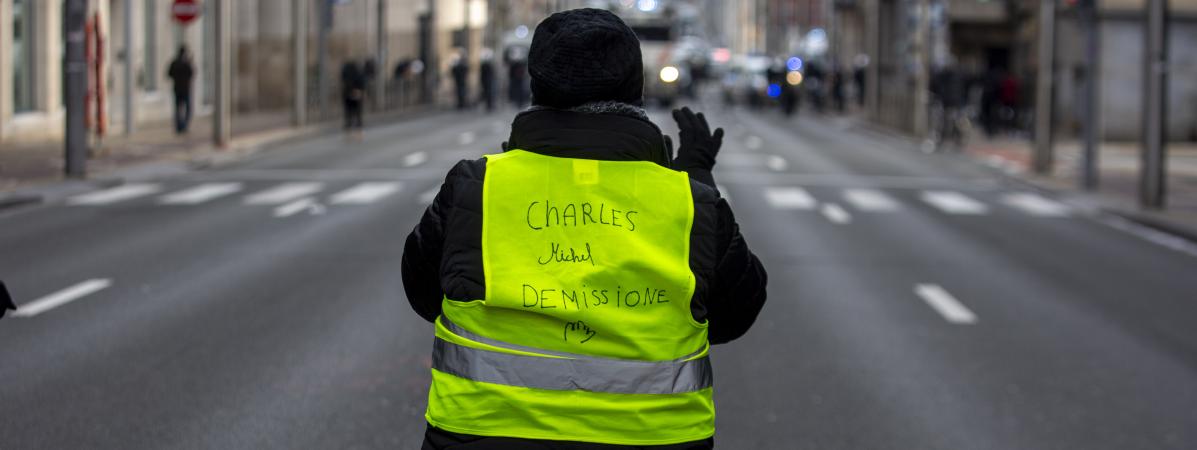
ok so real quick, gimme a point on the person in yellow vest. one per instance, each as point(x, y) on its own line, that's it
point(577, 279)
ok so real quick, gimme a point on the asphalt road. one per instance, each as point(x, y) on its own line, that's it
point(916, 301)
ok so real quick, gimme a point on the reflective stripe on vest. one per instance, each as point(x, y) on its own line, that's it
point(585, 332)
point(568, 372)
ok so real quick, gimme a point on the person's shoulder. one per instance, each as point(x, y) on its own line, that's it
point(703, 194)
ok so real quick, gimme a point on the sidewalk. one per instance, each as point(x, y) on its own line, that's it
point(1118, 168)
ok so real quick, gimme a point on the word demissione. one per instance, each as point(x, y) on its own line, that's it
point(592, 298)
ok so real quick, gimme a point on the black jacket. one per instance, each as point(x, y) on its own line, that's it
point(443, 255)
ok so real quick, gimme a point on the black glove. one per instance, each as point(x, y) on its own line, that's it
point(5, 300)
point(698, 146)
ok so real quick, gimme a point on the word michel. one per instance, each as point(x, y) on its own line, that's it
point(546, 214)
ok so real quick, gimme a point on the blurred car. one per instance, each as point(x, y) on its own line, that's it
point(746, 80)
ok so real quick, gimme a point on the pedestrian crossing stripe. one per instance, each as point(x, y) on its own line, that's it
point(284, 193)
point(200, 194)
point(115, 194)
point(866, 200)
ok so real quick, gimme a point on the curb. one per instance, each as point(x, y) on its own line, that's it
point(18, 200)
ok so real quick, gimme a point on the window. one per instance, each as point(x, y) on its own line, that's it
point(22, 55)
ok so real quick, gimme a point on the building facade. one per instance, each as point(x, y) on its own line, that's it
point(142, 37)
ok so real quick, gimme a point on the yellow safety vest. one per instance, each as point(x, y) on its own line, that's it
point(585, 333)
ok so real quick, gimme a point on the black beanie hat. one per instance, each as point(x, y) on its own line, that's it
point(585, 55)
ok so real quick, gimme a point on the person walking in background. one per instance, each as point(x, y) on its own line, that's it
point(181, 73)
point(577, 280)
point(460, 70)
point(353, 92)
point(486, 78)
point(517, 77)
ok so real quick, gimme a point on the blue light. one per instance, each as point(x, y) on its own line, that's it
point(774, 90)
point(794, 64)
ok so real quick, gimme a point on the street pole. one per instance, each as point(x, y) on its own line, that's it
point(1153, 178)
point(873, 49)
point(432, 64)
point(1089, 173)
point(128, 72)
point(1042, 160)
point(922, 76)
point(223, 77)
point(74, 17)
point(299, 53)
point(381, 75)
point(325, 21)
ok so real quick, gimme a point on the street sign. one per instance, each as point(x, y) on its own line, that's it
point(185, 11)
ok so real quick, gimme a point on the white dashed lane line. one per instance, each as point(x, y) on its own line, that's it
point(62, 297)
point(776, 163)
point(871, 200)
point(789, 198)
point(836, 214)
point(200, 194)
point(365, 193)
point(945, 304)
point(284, 193)
point(415, 159)
point(954, 203)
point(1036, 205)
point(295, 207)
point(116, 194)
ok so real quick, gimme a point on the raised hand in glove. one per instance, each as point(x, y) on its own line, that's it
point(698, 146)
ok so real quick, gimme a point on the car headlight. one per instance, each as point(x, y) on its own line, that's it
point(669, 74)
point(794, 78)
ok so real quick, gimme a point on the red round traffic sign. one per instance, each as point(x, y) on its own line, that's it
point(185, 11)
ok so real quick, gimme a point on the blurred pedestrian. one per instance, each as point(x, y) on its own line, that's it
point(5, 300)
point(837, 89)
point(569, 308)
point(517, 77)
point(1010, 101)
point(353, 93)
point(369, 75)
point(860, 67)
point(181, 73)
point(460, 70)
point(486, 78)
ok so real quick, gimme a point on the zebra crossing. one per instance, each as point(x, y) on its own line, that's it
point(872, 201)
point(287, 198)
point(838, 205)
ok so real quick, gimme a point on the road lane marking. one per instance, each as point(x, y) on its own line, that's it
point(776, 163)
point(954, 203)
point(789, 198)
point(870, 200)
point(116, 194)
point(945, 304)
point(753, 142)
point(1036, 205)
point(836, 214)
point(284, 193)
point(290, 209)
point(200, 194)
point(365, 193)
point(415, 159)
point(466, 138)
point(62, 297)
point(428, 196)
